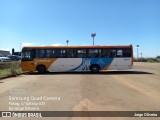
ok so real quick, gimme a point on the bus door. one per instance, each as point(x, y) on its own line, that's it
point(124, 59)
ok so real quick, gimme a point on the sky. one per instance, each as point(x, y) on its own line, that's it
point(52, 22)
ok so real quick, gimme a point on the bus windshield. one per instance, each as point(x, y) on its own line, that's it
point(27, 55)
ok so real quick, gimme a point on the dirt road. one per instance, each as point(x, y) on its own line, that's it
point(133, 90)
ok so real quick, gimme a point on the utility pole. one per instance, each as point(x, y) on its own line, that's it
point(93, 35)
point(137, 51)
point(141, 56)
point(67, 41)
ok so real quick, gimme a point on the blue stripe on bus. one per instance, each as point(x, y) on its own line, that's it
point(86, 62)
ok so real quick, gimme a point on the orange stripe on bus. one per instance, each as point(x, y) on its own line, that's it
point(106, 67)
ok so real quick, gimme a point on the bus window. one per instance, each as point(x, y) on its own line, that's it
point(109, 53)
point(48, 53)
point(126, 52)
point(51, 53)
point(119, 53)
point(70, 53)
point(81, 53)
point(63, 53)
point(93, 53)
point(100, 52)
point(40, 53)
point(113, 53)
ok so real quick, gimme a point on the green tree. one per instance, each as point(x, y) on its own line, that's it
point(158, 57)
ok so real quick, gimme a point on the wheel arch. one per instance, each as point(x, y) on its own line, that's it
point(41, 65)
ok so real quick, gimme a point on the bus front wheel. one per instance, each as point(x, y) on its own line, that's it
point(94, 68)
point(41, 69)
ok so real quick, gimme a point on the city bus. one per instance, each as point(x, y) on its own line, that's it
point(76, 58)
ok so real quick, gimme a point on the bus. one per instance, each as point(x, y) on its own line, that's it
point(76, 58)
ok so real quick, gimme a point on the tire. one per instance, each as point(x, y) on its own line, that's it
point(94, 68)
point(41, 69)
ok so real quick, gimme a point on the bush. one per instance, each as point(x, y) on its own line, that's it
point(151, 60)
point(140, 60)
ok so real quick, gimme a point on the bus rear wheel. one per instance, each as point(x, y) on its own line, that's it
point(94, 68)
point(41, 69)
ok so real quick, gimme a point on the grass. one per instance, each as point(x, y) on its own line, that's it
point(10, 69)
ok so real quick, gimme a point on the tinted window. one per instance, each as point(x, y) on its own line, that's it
point(53, 53)
point(63, 53)
point(27, 55)
point(100, 52)
point(70, 53)
point(109, 53)
point(127, 52)
point(81, 53)
point(119, 53)
point(93, 53)
point(40, 53)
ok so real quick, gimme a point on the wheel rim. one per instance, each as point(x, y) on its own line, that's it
point(95, 69)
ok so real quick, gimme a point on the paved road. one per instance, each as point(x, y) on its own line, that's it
point(134, 90)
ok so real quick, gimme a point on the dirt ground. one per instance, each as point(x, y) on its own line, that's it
point(131, 90)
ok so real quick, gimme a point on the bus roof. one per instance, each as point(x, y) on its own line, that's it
point(58, 47)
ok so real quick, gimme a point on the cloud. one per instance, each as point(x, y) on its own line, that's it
point(32, 44)
point(56, 44)
point(27, 44)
